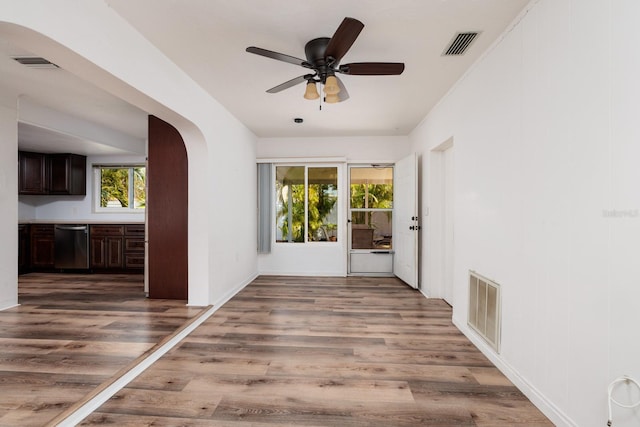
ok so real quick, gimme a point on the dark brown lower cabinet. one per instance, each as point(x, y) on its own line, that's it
point(116, 247)
point(42, 246)
point(112, 248)
point(134, 246)
point(105, 246)
point(24, 243)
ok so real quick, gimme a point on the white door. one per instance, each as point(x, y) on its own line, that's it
point(406, 224)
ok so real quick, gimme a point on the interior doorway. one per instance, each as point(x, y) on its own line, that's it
point(442, 222)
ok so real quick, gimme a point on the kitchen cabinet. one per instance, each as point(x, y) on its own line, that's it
point(67, 174)
point(134, 246)
point(112, 248)
point(105, 246)
point(116, 247)
point(42, 246)
point(61, 174)
point(32, 173)
point(24, 238)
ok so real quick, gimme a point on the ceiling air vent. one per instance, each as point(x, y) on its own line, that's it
point(460, 43)
point(35, 62)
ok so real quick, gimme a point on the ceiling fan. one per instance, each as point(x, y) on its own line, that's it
point(323, 58)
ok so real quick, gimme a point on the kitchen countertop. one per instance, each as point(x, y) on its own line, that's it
point(77, 221)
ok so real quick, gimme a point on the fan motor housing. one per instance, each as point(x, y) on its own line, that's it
point(315, 49)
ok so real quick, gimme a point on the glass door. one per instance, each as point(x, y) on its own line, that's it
point(370, 220)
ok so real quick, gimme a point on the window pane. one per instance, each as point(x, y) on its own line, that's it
point(139, 195)
point(290, 203)
point(371, 230)
point(323, 207)
point(371, 188)
point(114, 184)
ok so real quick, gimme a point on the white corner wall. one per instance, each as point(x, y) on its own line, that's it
point(8, 203)
point(90, 40)
point(545, 140)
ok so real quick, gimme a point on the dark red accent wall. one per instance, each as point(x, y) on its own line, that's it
point(167, 221)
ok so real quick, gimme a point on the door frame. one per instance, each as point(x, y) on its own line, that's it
point(440, 258)
point(374, 252)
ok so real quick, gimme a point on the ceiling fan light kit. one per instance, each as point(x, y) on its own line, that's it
point(331, 99)
point(323, 57)
point(311, 92)
point(331, 86)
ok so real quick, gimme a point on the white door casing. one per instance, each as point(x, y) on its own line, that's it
point(447, 174)
point(440, 239)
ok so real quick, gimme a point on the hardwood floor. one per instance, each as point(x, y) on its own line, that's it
point(71, 333)
point(322, 352)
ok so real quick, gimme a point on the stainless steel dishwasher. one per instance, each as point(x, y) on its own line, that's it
point(71, 247)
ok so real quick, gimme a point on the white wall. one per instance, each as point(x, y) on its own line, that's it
point(8, 203)
point(355, 149)
point(545, 140)
point(77, 208)
point(319, 258)
point(90, 40)
point(233, 209)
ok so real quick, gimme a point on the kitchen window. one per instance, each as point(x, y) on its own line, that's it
point(119, 188)
point(306, 204)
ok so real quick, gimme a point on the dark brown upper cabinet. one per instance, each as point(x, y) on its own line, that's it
point(68, 174)
point(63, 174)
point(32, 173)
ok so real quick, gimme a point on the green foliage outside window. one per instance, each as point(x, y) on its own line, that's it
point(297, 211)
point(115, 188)
point(373, 196)
point(321, 200)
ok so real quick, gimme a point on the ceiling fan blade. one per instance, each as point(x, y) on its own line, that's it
point(343, 39)
point(278, 56)
point(287, 85)
point(343, 95)
point(372, 68)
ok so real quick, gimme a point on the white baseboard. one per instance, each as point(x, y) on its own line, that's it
point(8, 305)
point(232, 292)
point(545, 405)
point(304, 273)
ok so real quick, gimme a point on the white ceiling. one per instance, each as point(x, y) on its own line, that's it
point(208, 38)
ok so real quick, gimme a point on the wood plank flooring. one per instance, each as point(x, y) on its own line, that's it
point(71, 333)
point(323, 352)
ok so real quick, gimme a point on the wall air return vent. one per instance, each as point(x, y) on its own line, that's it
point(460, 43)
point(484, 309)
point(34, 62)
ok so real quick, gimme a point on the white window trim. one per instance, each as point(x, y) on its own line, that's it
point(97, 190)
